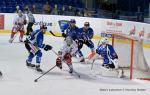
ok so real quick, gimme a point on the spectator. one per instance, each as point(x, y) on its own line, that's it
point(26, 9)
point(47, 8)
point(86, 13)
point(70, 9)
point(34, 9)
point(62, 10)
point(17, 9)
point(78, 12)
point(55, 10)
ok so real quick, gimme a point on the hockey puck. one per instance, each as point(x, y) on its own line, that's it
point(35, 80)
point(0, 73)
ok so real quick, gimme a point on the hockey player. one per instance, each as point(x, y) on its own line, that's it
point(73, 31)
point(85, 36)
point(18, 26)
point(31, 21)
point(33, 44)
point(108, 54)
point(68, 50)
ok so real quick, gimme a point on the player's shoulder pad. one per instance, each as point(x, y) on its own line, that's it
point(90, 29)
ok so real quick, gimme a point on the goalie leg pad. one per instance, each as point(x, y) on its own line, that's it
point(109, 72)
point(112, 66)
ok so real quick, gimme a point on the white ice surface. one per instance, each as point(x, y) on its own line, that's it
point(19, 80)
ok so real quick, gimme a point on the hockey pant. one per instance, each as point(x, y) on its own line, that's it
point(15, 30)
point(89, 44)
point(67, 58)
point(33, 51)
point(29, 28)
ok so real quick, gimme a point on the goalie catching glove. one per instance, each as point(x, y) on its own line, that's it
point(47, 47)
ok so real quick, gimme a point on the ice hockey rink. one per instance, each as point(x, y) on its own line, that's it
point(18, 79)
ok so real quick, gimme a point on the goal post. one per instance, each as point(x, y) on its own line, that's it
point(131, 56)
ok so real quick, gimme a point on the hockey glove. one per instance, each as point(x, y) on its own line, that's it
point(47, 47)
point(26, 41)
point(64, 35)
point(80, 43)
point(59, 62)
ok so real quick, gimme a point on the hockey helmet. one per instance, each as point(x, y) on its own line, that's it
point(43, 27)
point(69, 40)
point(20, 13)
point(86, 24)
point(72, 21)
point(104, 41)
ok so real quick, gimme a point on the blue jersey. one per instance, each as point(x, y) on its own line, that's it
point(36, 38)
point(72, 32)
point(107, 52)
point(86, 34)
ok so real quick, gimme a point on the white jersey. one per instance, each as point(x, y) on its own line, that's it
point(72, 49)
point(19, 21)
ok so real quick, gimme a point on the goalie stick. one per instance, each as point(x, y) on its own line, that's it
point(54, 34)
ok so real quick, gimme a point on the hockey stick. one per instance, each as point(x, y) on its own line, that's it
point(44, 73)
point(54, 34)
point(55, 52)
point(92, 64)
point(13, 38)
point(77, 74)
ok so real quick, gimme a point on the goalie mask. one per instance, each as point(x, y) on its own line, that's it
point(103, 41)
point(69, 41)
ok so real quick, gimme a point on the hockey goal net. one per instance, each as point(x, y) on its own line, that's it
point(131, 56)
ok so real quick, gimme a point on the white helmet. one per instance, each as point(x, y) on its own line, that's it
point(20, 13)
point(69, 40)
point(103, 41)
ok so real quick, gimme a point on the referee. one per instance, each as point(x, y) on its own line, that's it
point(31, 21)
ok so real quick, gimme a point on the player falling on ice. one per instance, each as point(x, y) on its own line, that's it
point(18, 26)
point(85, 36)
point(33, 43)
point(68, 50)
point(108, 54)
